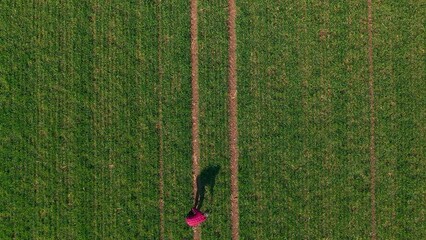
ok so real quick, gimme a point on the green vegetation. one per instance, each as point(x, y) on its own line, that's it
point(401, 99)
point(89, 90)
point(176, 108)
point(213, 81)
point(79, 110)
point(304, 121)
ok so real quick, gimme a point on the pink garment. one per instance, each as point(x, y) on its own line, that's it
point(195, 218)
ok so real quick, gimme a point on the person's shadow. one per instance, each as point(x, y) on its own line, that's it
point(207, 178)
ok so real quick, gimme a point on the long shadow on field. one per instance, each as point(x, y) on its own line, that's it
point(207, 178)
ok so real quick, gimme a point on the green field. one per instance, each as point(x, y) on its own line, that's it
point(95, 96)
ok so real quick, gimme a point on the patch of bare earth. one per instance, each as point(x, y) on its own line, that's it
point(323, 34)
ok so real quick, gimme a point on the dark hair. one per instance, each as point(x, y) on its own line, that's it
point(191, 213)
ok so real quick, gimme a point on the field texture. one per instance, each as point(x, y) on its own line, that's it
point(97, 119)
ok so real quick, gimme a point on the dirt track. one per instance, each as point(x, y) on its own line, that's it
point(372, 122)
point(195, 107)
point(160, 125)
point(233, 126)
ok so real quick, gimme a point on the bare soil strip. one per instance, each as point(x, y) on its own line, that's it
point(160, 124)
point(195, 106)
point(372, 122)
point(233, 128)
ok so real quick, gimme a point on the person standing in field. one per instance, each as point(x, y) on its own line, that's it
point(195, 217)
point(207, 178)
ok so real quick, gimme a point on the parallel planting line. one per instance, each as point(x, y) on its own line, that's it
point(233, 129)
point(35, 25)
point(60, 148)
point(195, 105)
point(64, 147)
point(372, 122)
point(104, 120)
point(42, 163)
point(111, 54)
point(160, 123)
point(306, 73)
point(141, 104)
point(94, 109)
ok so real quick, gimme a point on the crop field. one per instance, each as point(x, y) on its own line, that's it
point(293, 120)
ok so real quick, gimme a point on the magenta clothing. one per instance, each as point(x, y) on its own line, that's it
point(195, 218)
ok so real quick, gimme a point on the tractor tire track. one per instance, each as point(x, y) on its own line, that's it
point(195, 105)
point(233, 124)
point(372, 123)
point(160, 123)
